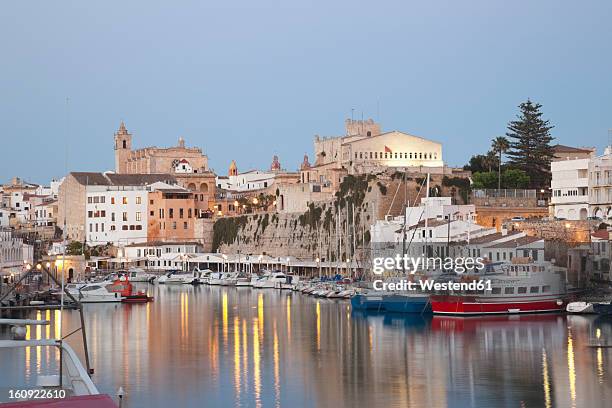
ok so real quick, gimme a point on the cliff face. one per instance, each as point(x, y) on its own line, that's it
point(333, 230)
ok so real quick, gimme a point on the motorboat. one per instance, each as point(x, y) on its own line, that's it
point(184, 278)
point(579, 307)
point(603, 308)
point(288, 283)
point(204, 276)
point(407, 303)
point(229, 279)
point(139, 275)
point(215, 278)
point(103, 293)
point(164, 278)
point(246, 281)
point(270, 281)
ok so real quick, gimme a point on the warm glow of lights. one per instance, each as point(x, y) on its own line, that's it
point(256, 365)
point(48, 265)
point(255, 201)
point(48, 326)
point(289, 318)
point(546, 381)
point(571, 368)
point(567, 225)
point(276, 369)
point(224, 316)
point(318, 326)
point(237, 386)
point(38, 266)
point(260, 314)
point(57, 324)
point(600, 366)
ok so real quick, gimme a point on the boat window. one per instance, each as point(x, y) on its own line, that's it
point(522, 289)
point(534, 289)
point(545, 288)
point(496, 291)
point(88, 288)
point(509, 291)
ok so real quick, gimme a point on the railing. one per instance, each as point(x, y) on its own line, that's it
point(504, 193)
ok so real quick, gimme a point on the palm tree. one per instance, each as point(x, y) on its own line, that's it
point(500, 145)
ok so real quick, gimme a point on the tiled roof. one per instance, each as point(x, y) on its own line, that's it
point(516, 243)
point(569, 149)
point(112, 179)
point(491, 237)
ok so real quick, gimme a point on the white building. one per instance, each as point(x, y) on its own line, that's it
point(570, 189)
point(248, 181)
point(600, 185)
point(159, 255)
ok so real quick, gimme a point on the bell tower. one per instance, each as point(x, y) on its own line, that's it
point(123, 148)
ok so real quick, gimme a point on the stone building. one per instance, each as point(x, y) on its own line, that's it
point(365, 148)
point(600, 185)
point(187, 164)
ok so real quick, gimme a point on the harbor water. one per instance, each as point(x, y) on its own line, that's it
point(241, 347)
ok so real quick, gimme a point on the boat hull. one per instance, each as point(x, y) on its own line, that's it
point(367, 302)
point(602, 308)
point(457, 305)
point(407, 304)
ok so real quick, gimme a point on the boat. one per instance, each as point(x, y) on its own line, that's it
point(215, 278)
point(184, 278)
point(269, 281)
point(579, 307)
point(164, 278)
point(602, 308)
point(287, 283)
point(517, 287)
point(245, 281)
point(139, 275)
point(140, 297)
point(407, 303)
point(367, 301)
point(229, 279)
point(204, 276)
point(105, 293)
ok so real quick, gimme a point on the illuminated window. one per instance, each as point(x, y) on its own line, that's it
point(125, 200)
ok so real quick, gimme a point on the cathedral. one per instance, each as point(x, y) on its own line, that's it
point(187, 164)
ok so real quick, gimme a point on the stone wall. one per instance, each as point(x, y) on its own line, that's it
point(569, 231)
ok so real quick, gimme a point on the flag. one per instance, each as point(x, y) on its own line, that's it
point(387, 150)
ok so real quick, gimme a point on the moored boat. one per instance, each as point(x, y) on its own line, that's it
point(579, 307)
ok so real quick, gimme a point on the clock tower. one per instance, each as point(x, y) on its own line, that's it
point(123, 149)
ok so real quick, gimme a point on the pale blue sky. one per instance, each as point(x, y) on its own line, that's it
point(248, 79)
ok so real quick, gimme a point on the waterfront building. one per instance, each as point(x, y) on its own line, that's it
point(73, 196)
point(600, 185)
point(14, 254)
point(188, 165)
point(159, 255)
point(601, 244)
point(562, 152)
point(365, 147)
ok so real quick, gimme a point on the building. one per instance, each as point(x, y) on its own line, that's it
point(251, 180)
point(77, 186)
point(365, 147)
point(159, 255)
point(172, 214)
point(562, 152)
point(14, 255)
point(570, 188)
point(188, 165)
point(600, 185)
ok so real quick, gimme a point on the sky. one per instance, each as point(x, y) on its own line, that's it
point(246, 79)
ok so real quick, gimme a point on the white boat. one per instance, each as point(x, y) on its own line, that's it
point(229, 279)
point(270, 281)
point(215, 278)
point(97, 293)
point(162, 279)
point(246, 281)
point(139, 275)
point(579, 307)
point(183, 278)
point(289, 282)
point(204, 276)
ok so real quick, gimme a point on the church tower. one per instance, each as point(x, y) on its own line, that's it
point(123, 149)
point(233, 169)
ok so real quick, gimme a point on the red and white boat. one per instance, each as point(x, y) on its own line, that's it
point(518, 287)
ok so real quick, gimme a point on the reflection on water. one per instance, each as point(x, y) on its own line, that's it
point(217, 346)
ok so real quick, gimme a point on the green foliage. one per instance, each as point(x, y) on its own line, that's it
point(485, 179)
point(514, 178)
point(530, 148)
point(226, 230)
point(311, 217)
point(74, 248)
point(482, 163)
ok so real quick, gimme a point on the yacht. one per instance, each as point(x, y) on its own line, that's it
point(288, 283)
point(229, 279)
point(105, 293)
point(269, 281)
point(181, 278)
point(164, 278)
point(215, 278)
point(244, 281)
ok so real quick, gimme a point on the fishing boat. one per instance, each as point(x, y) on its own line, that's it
point(517, 287)
point(368, 301)
point(407, 303)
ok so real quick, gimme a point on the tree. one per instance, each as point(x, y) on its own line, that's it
point(530, 148)
point(514, 178)
point(486, 179)
point(500, 145)
point(476, 164)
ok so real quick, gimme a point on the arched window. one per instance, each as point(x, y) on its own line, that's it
point(125, 144)
point(369, 133)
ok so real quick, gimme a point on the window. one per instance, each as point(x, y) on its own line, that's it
point(152, 213)
point(102, 199)
point(112, 200)
point(125, 217)
point(185, 225)
point(171, 213)
point(103, 214)
point(138, 200)
point(139, 228)
point(113, 217)
point(181, 213)
point(102, 227)
point(124, 227)
point(545, 288)
point(113, 228)
point(89, 200)
point(161, 213)
point(138, 252)
point(522, 289)
point(496, 291)
point(189, 213)
point(509, 291)
point(138, 216)
point(534, 289)
point(125, 200)
point(90, 214)
point(174, 225)
point(132, 227)
point(90, 227)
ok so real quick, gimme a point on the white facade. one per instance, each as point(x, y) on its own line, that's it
point(440, 208)
point(600, 185)
point(249, 181)
point(116, 215)
point(570, 188)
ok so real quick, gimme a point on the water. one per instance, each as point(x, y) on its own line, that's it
point(240, 347)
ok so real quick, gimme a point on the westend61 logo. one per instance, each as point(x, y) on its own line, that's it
point(411, 265)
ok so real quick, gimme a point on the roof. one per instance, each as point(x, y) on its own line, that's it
point(112, 179)
point(387, 134)
point(431, 222)
point(601, 234)
point(569, 149)
point(162, 243)
point(491, 237)
point(516, 243)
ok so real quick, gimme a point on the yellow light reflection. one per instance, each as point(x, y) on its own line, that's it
point(600, 366)
point(289, 318)
point(256, 364)
point(571, 368)
point(318, 326)
point(48, 326)
point(58, 324)
point(245, 352)
point(260, 314)
point(546, 381)
point(224, 317)
point(237, 360)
